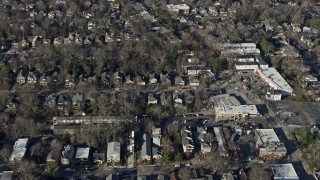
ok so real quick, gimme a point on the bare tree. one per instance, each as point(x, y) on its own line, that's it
point(184, 174)
point(5, 152)
point(257, 172)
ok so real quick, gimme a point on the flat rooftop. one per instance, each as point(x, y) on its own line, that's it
point(276, 79)
point(237, 109)
point(284, 171)
point(82, 153)
point(225, 99)
point(266, 136)
point(19, 149)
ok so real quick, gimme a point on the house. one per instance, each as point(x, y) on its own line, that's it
point(187, 140)
point(88, 40)
point(177, 99)
point(62, 102)
point(188, 97)
point(55, 77)
point(141, 80)
point(179, 81)
point(32, 78)
point(283, 171)
point(269, 144)
point(205, 148)
point(212, 11)
point(108, 37)
point(12, 103)
point(69, 81)
point(82, 154)
point(118, 78)
point(99, 157)
point(105, 79)
point(22, 76)
point(153, 78)
point(77, 101)
point(129, 79)
point(43, 80)
point(37, 41)
point(223, 12)
point(194, 81)
point(67, 154)
point(151, 99)
point(6, 175)
point(19, 150)
point(156, 136)
point(113, 152)
point(146, 149)
point(156, 153)
point(130, 146)
point(165, 98)
point(50, 100)
point(200, 134)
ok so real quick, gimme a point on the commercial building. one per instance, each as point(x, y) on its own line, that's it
point(235, 112)
point(113, 152)
point(19, 150)
point(272, 77)
point(269, 144)
point(224, 99)
point(284, 171)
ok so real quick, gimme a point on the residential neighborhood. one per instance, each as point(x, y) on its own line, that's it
point(149, 89)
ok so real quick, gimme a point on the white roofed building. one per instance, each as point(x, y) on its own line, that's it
point(269, 144)
point(235, 112)
point(224, 99)
point(82, 154)
point(284, 171)
point(272, 77)
point(113, 152)
point(19, 150)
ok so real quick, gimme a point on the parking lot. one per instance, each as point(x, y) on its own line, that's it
point(313, 111)
point(246, 86)
point(288, 113)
